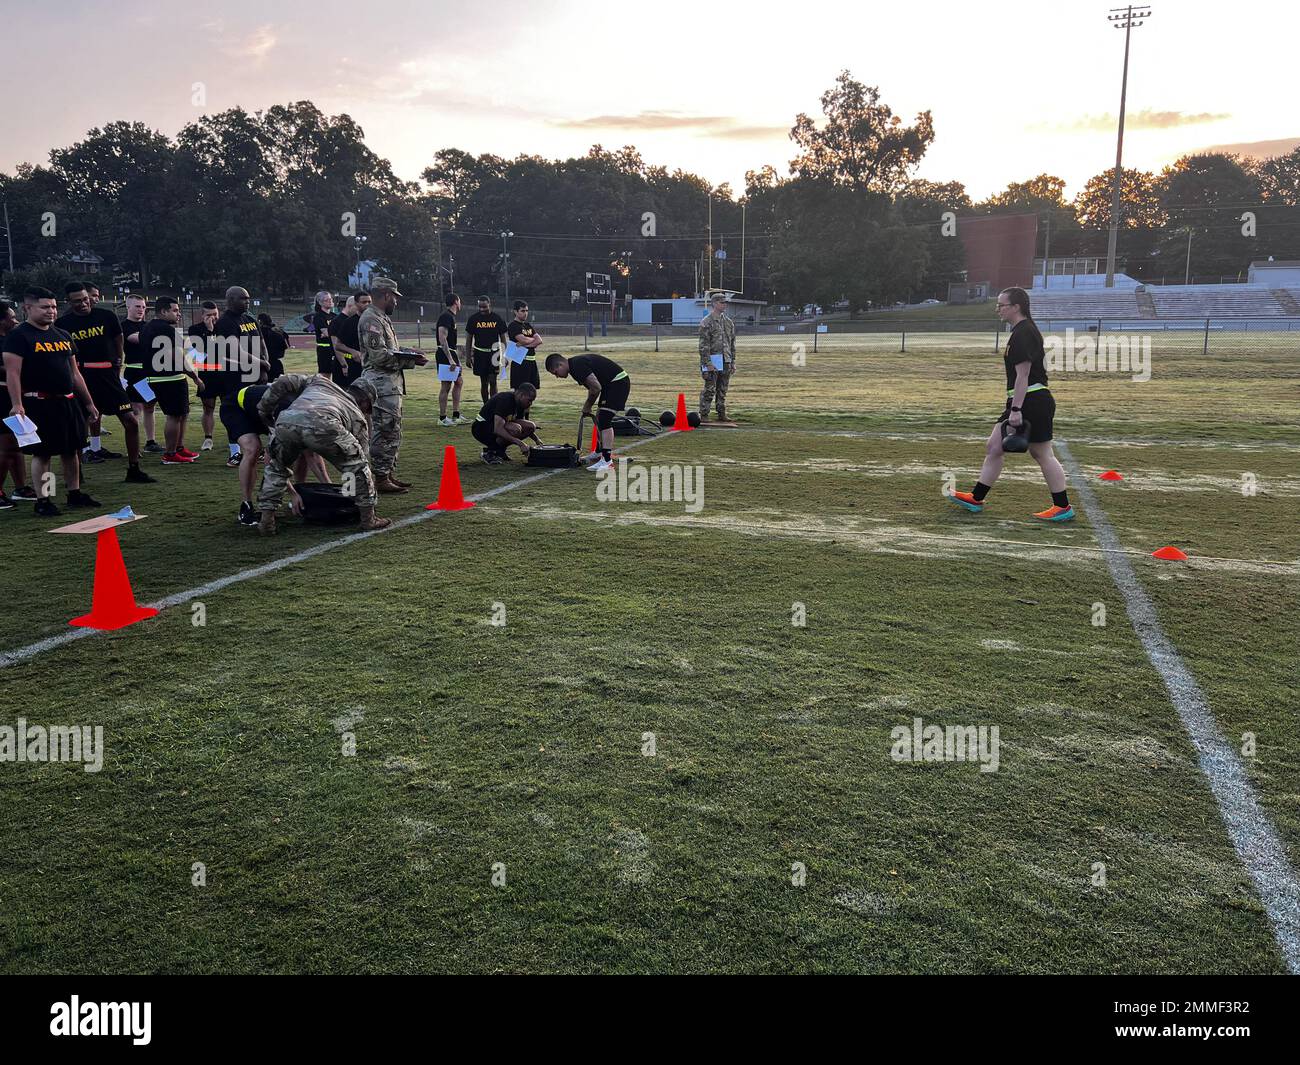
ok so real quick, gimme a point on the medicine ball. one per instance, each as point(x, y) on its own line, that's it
point(633, 413)
point(693, 419)
point(1015, 440)
point(667, 418)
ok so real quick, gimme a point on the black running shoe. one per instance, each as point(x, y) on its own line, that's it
point(46, 508)
point(248, 517)
point(26, 493)
point(106, 454)
point(78, 498)
point(5, 502)
point(135, 475)
point(153, 448)
point(93, 458)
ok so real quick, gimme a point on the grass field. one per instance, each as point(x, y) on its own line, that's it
point(520, 747)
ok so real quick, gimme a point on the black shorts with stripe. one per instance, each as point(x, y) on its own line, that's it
point(60, 424)
point(1039, 409)
point(173, 397)
point(107, 392)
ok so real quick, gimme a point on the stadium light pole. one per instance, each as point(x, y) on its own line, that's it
point(627, 259)
point(1129, 17)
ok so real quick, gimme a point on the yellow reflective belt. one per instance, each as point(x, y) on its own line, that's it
point(621, 374)
point(162, 380)
point(239, 396)
point(1031, 388)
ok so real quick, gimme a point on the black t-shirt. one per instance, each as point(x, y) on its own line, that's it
point(245, 327)
point(200, 332)
point(95, 335)
point(504, 404)
point(1025, 345)
point(47, 357)
point(161, 348)
point(132, 353)
point(320, 324)
point(345, 327)
point(484, 329)
point(522, 329)
point(604, 369)
point(446, 321)
point(277, 343)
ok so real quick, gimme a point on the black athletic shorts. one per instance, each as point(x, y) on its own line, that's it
point(1038, 410)
point(483, 364)
point(107, 392)
point(614, 397)
point(173, 397)
point(525, 373)
point(327, 361)
point(482, 432)
point(134, 374)
point(355, 370)
point(237, 421)
point(60, 423)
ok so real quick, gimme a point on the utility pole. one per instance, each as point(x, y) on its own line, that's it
point(1047, 238)
point(742, 248)
point(10, 237)
point(505, 263)
point(710, 267)
point(1129, 17)
point(627, 259)
point(1187, 277)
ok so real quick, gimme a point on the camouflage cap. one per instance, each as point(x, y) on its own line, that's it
point(384, 284)
point(365, 387)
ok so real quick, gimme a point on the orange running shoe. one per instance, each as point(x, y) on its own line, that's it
point(965, 499)
point(1055, 513)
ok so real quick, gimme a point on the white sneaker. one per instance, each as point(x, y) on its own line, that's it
point(445, 421)
point(603, 464)
point(207, 444)
point(460, 419)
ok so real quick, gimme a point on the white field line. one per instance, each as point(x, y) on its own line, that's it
point(1252, 834)
point(21, 654)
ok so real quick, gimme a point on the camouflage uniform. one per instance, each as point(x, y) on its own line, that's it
point(324, 419)
point(717, 337)
point(384, 362)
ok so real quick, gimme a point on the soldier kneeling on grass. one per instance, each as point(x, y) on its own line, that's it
point(328, 421)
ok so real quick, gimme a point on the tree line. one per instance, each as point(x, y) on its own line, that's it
point(288, 200)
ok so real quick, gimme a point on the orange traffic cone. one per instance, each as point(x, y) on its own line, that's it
point(595, 437)
point(113, 605)
point(1170, 554)
point(449, 493)
point(682, 425)
point(1111, 475)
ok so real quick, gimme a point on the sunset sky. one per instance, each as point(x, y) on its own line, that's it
point(709, 88)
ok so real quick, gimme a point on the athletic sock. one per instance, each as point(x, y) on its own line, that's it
point(605, 453)
point(455, 414)
point(1060, 499)
point(95, 444)
point(980, 491)
point(234, 450)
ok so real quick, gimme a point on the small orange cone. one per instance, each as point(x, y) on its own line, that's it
point(1170, 554)
point(449, 493)
point(113, 605)
point(682, 425)
point(1111, 475)
point(595, 438)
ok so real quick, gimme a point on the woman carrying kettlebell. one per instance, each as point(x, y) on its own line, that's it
point(1029, 403)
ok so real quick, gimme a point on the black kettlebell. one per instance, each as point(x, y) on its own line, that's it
point(667, 418)
point(1016, 440)
point(632, 414)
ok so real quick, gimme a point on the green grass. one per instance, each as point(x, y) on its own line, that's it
point(522, 744)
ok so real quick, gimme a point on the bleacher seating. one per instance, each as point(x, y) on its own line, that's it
point(1170, 301)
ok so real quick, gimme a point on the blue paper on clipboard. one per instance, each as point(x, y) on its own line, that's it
point(143, 390)
point(514, 352)
point(448, 373)
point(719, 362)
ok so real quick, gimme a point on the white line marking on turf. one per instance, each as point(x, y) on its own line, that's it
point(21, 654)
point(1252, 834)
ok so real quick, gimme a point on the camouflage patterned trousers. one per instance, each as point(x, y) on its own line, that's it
point(298, 431)
point(715, 384)
point(385, 425)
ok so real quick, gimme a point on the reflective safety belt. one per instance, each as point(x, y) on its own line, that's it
point(619, 376)
point(1031, 388)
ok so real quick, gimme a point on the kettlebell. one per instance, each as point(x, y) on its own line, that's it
point(1016, 440)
